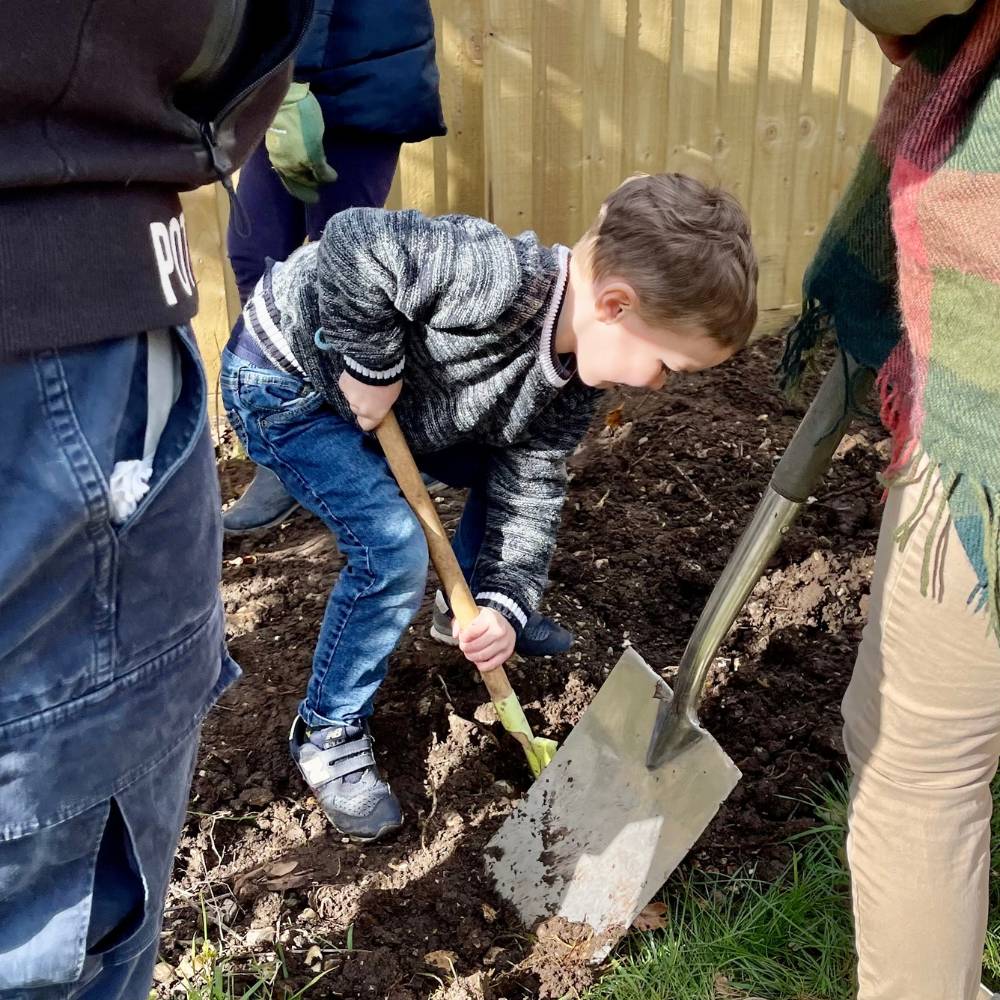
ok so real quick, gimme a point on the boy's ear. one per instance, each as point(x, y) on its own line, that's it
point(614, 299)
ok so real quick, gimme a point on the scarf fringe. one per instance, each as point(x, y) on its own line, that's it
point(906, 463)
point(802, 338)
point(989, 593)
point(894, 384)
point(986, 594)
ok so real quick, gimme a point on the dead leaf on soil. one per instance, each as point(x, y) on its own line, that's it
point(288, 883)
point(443, 960)
point(278, 876)
point(278, 868)
point(652, 918)
point(163, 973)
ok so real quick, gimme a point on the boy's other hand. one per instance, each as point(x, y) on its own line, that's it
point(369, 403)
point(487, 641)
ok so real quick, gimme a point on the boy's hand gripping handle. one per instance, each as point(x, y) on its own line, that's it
point(538, 750)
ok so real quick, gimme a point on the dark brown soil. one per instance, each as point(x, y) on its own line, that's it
point(659, 494)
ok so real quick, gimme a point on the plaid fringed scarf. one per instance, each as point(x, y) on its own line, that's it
point(907, 276)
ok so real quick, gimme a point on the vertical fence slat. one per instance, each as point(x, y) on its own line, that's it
point(205, 217)
point(676, 92)
point(416, 177)
point(783, 32)
point(817, 137)
point(863, 94)
point(508, 112)
point(840, 166)
point(692, 146)
point(460, 59)
point(603, 100)
point(558, 138)
point(736, 97)
point(646, 86)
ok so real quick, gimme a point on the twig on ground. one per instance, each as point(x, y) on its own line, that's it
point(425, 820)
point(447, 693)
point(697, 489)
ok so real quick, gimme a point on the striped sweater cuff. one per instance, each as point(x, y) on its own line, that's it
point(514, 611)
point(374, 376)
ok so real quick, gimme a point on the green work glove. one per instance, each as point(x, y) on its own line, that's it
point(295, 144)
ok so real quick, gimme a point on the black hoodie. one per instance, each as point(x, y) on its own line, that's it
point(108, 108)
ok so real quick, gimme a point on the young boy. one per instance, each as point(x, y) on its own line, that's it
point(492, 350)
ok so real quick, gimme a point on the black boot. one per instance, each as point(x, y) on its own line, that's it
point(264, 504)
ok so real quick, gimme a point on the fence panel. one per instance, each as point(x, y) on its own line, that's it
point(550, 103)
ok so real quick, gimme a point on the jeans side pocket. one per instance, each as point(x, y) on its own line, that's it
point(169, 551)
point(57, 562)
point(272, 396)
point(86, 894)
point(183, 427)
point(48, 884)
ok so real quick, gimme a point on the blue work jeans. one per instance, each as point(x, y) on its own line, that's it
point(339, 474)
point(280, 223)
point(111, 652)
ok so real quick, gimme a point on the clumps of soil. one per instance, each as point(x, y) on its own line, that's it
point(562, 956)
point(658, 496)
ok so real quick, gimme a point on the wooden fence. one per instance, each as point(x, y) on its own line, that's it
point(550, 103)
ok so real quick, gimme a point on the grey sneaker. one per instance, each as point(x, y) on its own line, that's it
point(265, 503)
point(540, 636)
point(339, 766)
point(441, 622)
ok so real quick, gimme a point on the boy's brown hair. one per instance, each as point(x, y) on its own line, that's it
point(685, 249)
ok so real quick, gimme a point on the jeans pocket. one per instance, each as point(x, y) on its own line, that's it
point(274, 396)
point(81, 597)
point(73, 898)
point(183, 427)
point(169, 550)
point(57, 561)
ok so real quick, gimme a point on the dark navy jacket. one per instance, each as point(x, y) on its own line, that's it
point(371, 65)
point(107, 109)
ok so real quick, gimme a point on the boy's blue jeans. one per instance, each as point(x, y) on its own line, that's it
point(339, 474)
point(111, 651)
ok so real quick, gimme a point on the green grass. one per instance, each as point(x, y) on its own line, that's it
point(991, 956)
point(733, 936)
point(223, 979)
point(221, 976)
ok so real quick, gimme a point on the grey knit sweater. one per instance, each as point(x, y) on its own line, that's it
point(465, 316)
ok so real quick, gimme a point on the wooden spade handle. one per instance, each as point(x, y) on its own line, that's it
point(397, 453)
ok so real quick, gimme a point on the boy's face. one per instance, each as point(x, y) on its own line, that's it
point(615, 346)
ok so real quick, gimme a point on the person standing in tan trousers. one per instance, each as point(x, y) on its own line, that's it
point(908, 277)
